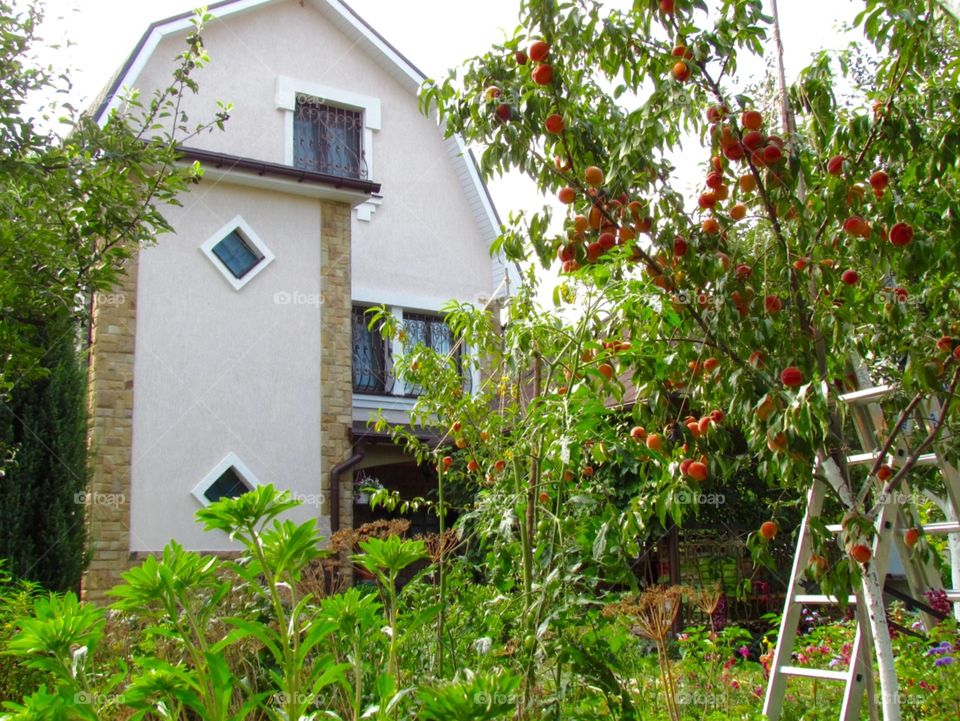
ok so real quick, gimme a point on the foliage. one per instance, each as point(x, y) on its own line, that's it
point(16, 600)
point(74, 205)
point(77, 198)
point(694, 342)
point(42, 490)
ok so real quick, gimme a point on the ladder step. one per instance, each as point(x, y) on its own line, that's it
point(819, 599)
point(869, 458)
point(941, 529)
point(814, 673)
point(868, 395)
point(862, 459)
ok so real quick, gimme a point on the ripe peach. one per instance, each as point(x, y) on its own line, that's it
point(901, 234)
point(681, 72)
point(543, 74)
point(538, 50)
point(910, 537)
point(860, 552)
point(855, 225)
point(748, 183)
point(716, 113)
point(447, 461)
point(835, 165)
point(638, 433)
point(791, 377)
point(879, 181)
point(777, 443)
point(751, 120)
point(738, 212)
point(554, 124)
point(655, 442)
point(593, 176)
point(697, 471)
point(711, 226)
point(707, 200)
point(679, 247)
point(772, 154)
point(566, 195)
point(850, 276)
point(768, 530)
point(753, 140)
point(734, 152)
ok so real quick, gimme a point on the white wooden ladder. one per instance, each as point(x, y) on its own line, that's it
point(896, 514)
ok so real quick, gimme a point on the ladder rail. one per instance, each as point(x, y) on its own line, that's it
point(895, 512)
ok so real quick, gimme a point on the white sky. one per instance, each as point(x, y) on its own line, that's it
point(434, 34)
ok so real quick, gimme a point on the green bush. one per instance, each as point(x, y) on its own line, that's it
point(16, 600)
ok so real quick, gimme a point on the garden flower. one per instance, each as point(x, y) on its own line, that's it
point(945, 661)
point(744, 651)
point(942, 648)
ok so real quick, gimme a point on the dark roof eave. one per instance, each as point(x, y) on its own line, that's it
point(361, 431)
point(262, 167)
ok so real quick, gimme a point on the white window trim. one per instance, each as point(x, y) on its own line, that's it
point(287, 90)
point(286, 100)
point(231, 460)
point(247, 233)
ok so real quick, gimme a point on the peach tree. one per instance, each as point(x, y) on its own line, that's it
point(697, 338)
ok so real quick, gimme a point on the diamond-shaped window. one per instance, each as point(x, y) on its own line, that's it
point(237, 252)
point(230, 478)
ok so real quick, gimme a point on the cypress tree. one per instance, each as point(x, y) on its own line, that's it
point(43, 478)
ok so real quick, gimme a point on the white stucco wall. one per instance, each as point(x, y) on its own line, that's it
point(219, 370)
point(422, 246)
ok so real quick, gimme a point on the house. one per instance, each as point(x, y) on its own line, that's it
point(235, 352)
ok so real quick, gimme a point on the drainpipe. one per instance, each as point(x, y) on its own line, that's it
point(335, 485)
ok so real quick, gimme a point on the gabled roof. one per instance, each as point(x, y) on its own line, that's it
point(344, 18)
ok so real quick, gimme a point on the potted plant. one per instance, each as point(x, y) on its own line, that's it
point(363, 486)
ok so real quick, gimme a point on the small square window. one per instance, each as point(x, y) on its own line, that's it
point(228, 485)
point(230, 478)
point(237, 252)
point(234, 253)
